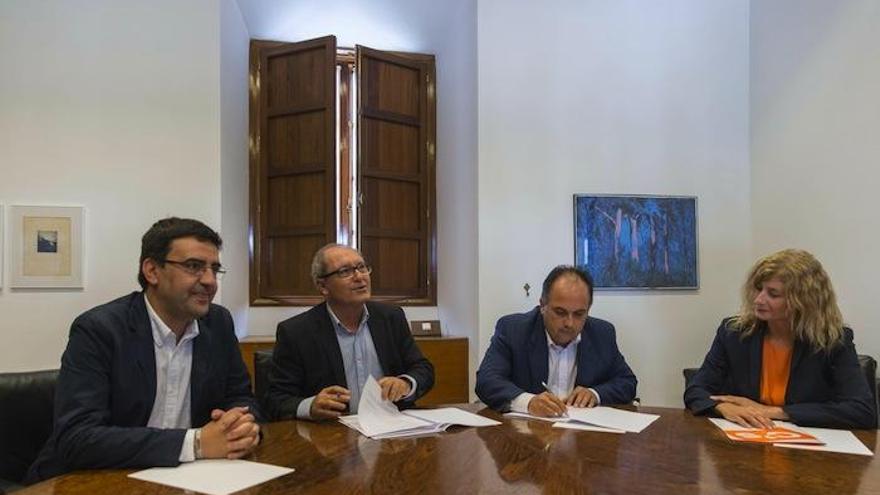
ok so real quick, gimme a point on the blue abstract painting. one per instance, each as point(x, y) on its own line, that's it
point(637, 242)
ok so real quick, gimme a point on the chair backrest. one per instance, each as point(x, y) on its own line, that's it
point(689, 374)
point(867, 364)
point(26, 417)
point(262, 364)
point(869, 369)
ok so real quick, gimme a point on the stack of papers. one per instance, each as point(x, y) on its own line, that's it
point(602, 419)
point(213, 476)
point(827, 440)
point(379, 418)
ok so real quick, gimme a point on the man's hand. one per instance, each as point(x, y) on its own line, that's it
point(394, 388)
point(746, 412)
point(330, 402)
point(230, 434)
point(546, 405)
point(582, 397)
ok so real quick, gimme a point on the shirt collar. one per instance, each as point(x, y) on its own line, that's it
point(556, 347)
point(162, 333)
point(338, 324)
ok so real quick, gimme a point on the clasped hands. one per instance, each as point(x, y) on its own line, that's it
point(746, 412)
point(548, 405)
point(230, 434)
point(332, 401)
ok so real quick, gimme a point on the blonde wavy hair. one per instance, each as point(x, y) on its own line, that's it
point(815, 317)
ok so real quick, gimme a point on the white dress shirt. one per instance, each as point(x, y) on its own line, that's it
point(562, 372)
point(172, 407)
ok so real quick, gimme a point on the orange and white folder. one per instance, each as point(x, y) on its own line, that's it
point(781, 433)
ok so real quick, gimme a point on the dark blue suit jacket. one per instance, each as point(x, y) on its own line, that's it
point(307, 358)
point(107, 386)
point(517, 362)
point(826, 389)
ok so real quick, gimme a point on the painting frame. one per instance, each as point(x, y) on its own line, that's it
point(47, 247)
point(607, 243)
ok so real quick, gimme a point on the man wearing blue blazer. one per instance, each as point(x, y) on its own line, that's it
point(154, 378)
point(555, 355)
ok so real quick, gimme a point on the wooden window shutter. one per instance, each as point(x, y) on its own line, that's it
point(293, 165)
point(396, 173)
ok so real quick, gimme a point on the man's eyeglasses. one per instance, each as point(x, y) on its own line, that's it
point(198, 268)
point(348, 271)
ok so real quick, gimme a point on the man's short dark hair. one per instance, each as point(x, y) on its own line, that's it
point(568, 270)
point(156, 243)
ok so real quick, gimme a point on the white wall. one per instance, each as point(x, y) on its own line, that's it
point(234, 46)
point(815, 112)
point(112, 106)
point(614, 97)
point(448, 30)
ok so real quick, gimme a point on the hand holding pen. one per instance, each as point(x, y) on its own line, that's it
point(547, 404)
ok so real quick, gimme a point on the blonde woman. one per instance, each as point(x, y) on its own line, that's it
point(786, 355)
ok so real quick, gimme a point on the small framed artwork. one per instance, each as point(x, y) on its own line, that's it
point(46, 247)
point(637, 241)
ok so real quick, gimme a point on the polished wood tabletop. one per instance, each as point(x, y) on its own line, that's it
point(677, 454)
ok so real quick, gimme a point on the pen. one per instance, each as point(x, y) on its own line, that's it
point(547, 388)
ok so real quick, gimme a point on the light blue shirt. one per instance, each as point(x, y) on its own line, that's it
point(359, 359)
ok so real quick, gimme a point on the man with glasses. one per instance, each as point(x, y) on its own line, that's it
point(322, 357)
point(154, 378)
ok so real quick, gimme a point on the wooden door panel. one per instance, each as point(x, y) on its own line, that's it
point(296, 201)
point(387, 213)
point(297, 141)
point(290, 258)
point(391, 147)
point(293, 165)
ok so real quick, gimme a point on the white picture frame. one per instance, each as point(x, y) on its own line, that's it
point(46, 247)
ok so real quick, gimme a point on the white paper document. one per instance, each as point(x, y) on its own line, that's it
point(606, 418)
point(379, 418)
point(555, 419)
point(213, 476)
point(841, 441)
point(610, 417)
point(574, 425)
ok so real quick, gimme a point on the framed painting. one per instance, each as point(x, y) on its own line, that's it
point(46, 247)
point(637, 241)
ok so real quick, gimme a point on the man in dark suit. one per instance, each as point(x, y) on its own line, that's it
point(154, 378)
point(322, 357)
point(555, 356)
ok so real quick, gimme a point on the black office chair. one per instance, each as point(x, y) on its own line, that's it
point(867, 364)
point(262, 364)
point(26, 417)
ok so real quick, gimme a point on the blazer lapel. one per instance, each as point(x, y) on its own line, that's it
point(381, 335)
point(756, 356)
point(143, 353)
point(326, 337)
point(538, 354)
point(201, 368)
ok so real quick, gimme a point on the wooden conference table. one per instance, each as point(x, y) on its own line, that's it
point(677, 454)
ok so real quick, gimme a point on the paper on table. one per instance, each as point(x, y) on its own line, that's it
point(610, 417)
point(574, 425)
point(539, 418)
point(841, 441)
point(451, 415)
point(213, 476)
point(429, 429)
point(377, 416)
